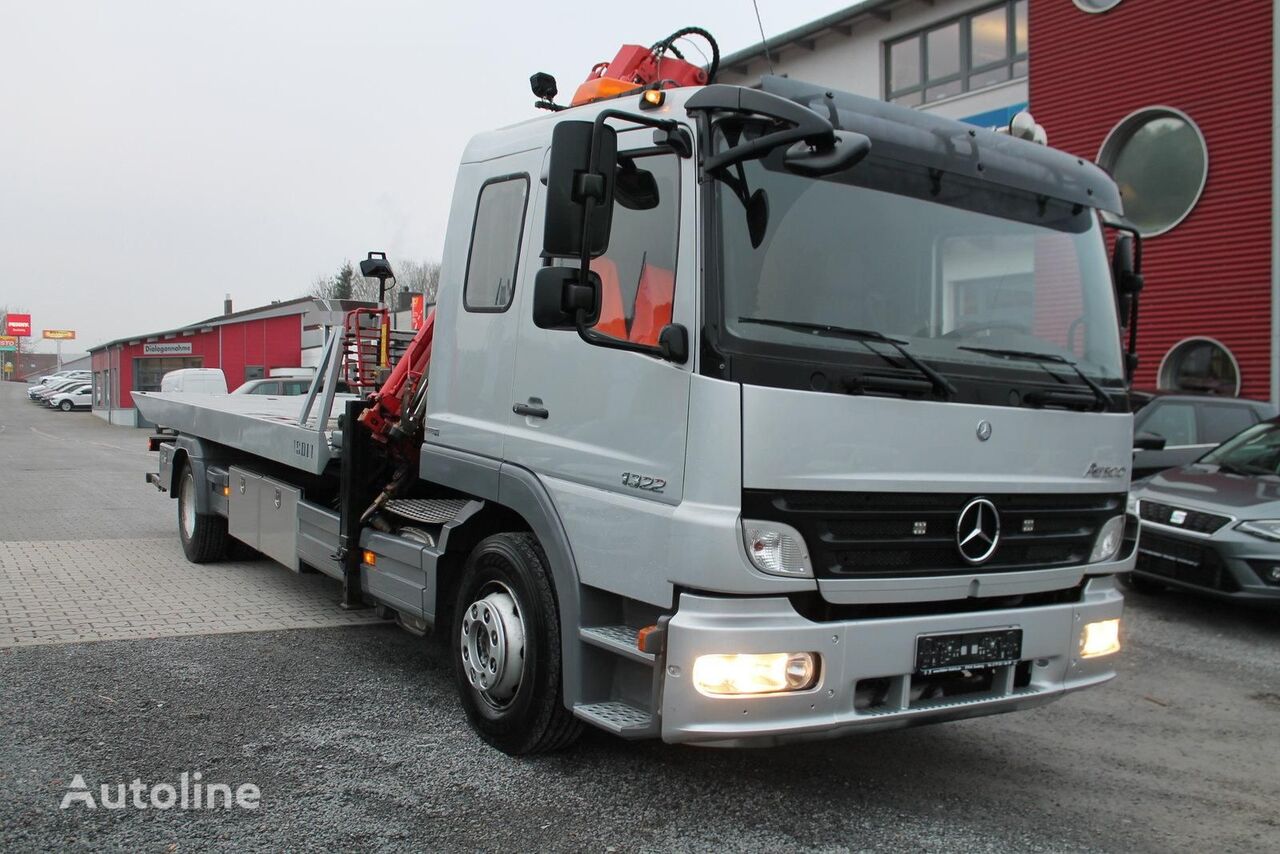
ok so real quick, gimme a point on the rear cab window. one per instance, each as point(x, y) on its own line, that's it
point(1220, 421)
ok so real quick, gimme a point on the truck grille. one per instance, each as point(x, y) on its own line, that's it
point(1181, 560)
point(883, 535)
point(1191, 520)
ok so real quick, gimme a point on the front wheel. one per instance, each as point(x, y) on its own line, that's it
point(506, 648)
point(204, 536)
point(65, 406)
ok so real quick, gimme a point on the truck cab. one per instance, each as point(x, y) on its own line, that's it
point(783, 484)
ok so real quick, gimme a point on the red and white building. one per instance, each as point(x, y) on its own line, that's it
point(245, 345)
point(1176, 98)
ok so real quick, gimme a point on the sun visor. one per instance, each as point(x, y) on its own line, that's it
point(913, 136)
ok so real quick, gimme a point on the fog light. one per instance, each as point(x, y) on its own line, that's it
point(725, 675)
point(1100, 638)
point(1108, 542)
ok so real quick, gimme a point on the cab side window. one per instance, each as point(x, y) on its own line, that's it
point(637, 273)
point(1219, 422)
point(495, 244)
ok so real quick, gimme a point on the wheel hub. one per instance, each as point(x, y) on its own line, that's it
point(493, 640)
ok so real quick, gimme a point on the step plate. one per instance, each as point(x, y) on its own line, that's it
point(617, 717)
point(428, 511)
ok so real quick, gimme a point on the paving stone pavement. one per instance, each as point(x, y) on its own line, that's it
point(89, 551)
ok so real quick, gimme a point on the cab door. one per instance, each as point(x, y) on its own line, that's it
point(605, 429)
point(474, 350)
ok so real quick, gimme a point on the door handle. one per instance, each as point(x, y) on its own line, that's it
point(532, 409)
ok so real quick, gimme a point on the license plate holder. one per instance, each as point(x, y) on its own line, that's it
point(979, 650)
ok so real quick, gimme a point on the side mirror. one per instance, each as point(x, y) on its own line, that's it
point(1148, 442)
point(559, 294)
point(574, 186)
point(1124, 266)
point(846, 149)
point(634, 188)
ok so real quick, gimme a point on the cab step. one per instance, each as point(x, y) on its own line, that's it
point(618, 717)
point(428, 511)
point(620, 640)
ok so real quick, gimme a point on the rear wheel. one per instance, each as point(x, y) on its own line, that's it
point(203, 535)
point(506, 648)
point(65, 406)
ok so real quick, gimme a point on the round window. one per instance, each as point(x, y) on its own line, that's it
point(1200, 365)
point(1097, 5)
point(1158, 157)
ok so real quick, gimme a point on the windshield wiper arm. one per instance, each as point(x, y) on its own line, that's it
point(939, 382)
point(1030, 356)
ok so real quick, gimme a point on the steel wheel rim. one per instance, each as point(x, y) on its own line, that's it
point(187, 510)
point(493, 645)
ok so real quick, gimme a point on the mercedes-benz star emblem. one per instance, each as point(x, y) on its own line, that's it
point(978, 530)
point(984, 430)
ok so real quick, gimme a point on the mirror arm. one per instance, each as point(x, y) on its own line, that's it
point(589, 335)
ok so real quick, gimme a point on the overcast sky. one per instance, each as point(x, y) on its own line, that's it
point(157, 155)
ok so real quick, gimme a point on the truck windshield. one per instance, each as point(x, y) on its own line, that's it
point(951, 267)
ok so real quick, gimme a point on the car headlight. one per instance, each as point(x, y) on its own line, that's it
point(776, 548)
point(1267, 529)
point(1107, 545)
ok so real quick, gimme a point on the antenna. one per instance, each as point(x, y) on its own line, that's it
point(764, 43)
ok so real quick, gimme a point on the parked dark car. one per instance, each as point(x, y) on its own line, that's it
point(1214, 526)
point(1189, 424)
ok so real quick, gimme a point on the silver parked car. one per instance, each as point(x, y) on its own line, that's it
point(1214, 526)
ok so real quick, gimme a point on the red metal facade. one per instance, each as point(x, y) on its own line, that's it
point(1211, 275)
point(272, 342)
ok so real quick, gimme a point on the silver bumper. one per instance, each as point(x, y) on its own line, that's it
point(857, 650)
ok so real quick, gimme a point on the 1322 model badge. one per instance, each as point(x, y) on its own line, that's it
point(639, 481)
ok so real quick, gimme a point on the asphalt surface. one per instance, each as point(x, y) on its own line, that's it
point(355, 738)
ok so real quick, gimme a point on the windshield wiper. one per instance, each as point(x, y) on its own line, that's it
point(937, 380)
point(1029, 356)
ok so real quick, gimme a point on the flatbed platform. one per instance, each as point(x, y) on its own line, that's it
point(268, 427)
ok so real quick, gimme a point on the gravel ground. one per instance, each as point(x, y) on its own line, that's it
point(356, 740)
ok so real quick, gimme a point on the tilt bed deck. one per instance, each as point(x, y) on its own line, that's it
point(269, 427)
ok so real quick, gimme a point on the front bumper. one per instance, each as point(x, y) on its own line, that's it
point(1225, 565)
point(860, 651)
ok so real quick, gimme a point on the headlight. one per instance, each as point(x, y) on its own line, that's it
point(776, 548)
point(1108, 542)
point(1131, 506)
point(1100, 638)
point(770, 673)
point(1267, 529)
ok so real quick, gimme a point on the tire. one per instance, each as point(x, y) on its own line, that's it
point(517, 707)
point(1139, 584)
point(204, 536)
point(65, 406)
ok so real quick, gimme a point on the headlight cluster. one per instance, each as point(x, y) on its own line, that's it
point(1267, 529)
point(776, 548)
point(1107, 544)
point(726, 675)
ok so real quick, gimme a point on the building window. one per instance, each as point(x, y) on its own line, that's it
point(1095, 6)
point(979, 49)
point(1200, 365)
point(1159, 158)
point(495, 244)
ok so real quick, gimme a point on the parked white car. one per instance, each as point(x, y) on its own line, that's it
point(43, 393)
point(76, 397)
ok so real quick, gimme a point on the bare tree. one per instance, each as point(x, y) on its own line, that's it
point(411, 277)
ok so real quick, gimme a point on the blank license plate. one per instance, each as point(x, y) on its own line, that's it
point(968, 650)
